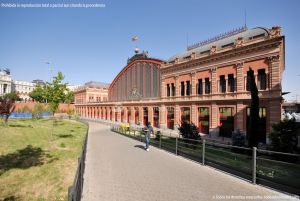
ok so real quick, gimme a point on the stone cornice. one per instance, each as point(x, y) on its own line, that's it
point(271, 43)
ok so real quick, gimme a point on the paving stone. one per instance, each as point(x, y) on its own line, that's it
point(116, 170)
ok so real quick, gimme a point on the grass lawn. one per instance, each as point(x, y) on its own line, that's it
point(36, 162)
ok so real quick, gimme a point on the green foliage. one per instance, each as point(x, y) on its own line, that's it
point(37, 110)
point(38, 94)
point(25, 109)
point(238, 139)
point(77, 116)
point(12, 96)
point(254, 111)
point(70, 112)
point(284, 136)
point(56, 92)
point(189, 131)
point(69, 97)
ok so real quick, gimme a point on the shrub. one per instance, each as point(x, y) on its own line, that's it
point(37, 111)
point(70, 112)
point(188, 131)
point(284, 136)
point(25, 109)
point(238, 139)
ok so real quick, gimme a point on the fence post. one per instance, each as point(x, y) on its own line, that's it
point(176, 146)
point(81, 174)
point(203, 151)
point(160, 140)
point(254, 165)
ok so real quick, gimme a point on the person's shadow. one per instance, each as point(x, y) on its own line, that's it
point(140, 146)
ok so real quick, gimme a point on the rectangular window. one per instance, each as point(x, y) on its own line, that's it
point(200, 87)
point(226, 121)
point(170, 117)
point(262, 79)
point(227, 45)
point(248, 82)
point(182, 88)
point(168, 90)
point(188, 88)
point(207, 86)
point(231, 83)
point(203, 120)
point(222, 84)
point(173, 89)
point(185, 114)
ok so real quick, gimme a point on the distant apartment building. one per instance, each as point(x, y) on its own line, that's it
point(73, 88)
point(291, 107)
point(5, 82)
point(92, 92)
point(23, 88)
point(38, 82)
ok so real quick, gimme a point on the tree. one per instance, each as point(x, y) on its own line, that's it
point(69, 97)
point(13, 96)
point(284, 136)
point(56, 92)
point(7, 105)
point(38, 94)
point(254, 111)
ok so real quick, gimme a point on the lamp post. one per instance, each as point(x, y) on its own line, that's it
point(50, 74)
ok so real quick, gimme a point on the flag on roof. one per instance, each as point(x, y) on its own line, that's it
point(134, 38)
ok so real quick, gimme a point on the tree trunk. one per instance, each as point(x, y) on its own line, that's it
point(254, 111)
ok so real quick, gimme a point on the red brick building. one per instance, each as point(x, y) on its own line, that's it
point(91, 92)
point(206, 85)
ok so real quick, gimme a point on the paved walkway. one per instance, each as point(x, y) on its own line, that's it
point(119, 169)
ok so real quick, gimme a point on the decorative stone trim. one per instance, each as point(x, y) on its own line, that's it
point(239, 65)
point(213, 50)
point(273, 58)
point(239, 42)
point(275, 32)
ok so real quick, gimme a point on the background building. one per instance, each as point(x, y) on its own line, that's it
point(5, 82)
point(91, 92)
point(23, 88)
point(206, 85)
point(291, 107)
point(73, 87)
point(38, 82)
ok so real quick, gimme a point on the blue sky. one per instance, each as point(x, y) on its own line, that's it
point(94, 44)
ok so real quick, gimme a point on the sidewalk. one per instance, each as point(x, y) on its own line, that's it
point(118, 168)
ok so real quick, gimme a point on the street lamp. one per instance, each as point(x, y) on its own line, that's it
point(50, 74)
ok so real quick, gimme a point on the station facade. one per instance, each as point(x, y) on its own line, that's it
point(206, 85)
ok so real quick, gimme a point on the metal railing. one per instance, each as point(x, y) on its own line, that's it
point(75, 191)
point(274, 169)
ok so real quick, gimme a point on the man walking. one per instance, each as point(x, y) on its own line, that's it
point(148, 130)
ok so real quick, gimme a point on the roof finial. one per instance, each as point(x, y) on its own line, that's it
point(245, 18)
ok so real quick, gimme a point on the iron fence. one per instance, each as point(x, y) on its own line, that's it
point(75, 191)
point(274, 169)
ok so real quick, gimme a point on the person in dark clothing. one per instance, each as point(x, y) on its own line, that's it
point(148, 129)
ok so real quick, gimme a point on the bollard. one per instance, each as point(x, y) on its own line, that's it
point(254, 165)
